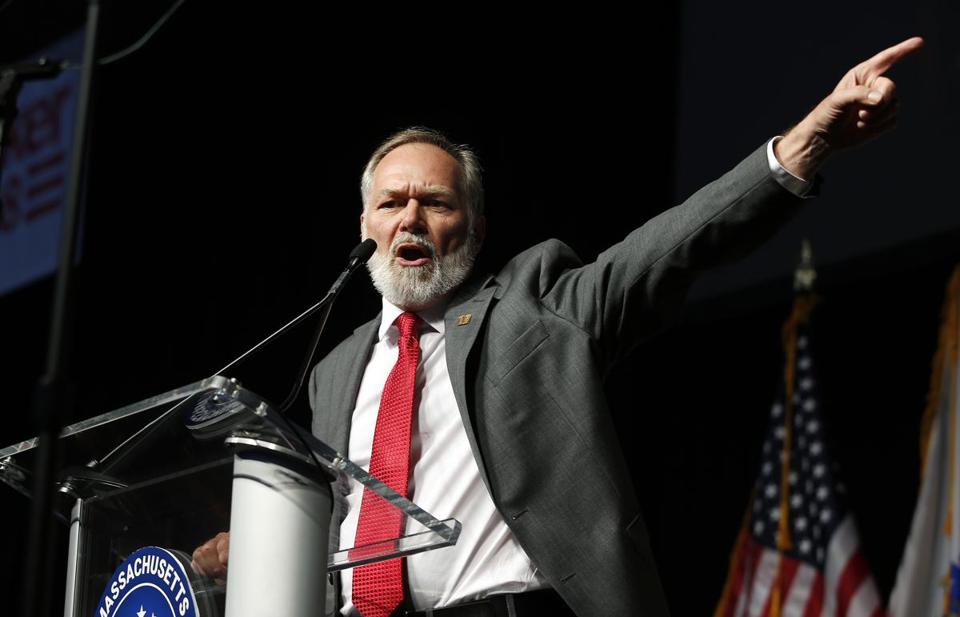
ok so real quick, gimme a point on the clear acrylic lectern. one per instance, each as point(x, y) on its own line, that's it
point(144, 485)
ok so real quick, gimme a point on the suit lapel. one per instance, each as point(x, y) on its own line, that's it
point(350, 373)
point(462, 322)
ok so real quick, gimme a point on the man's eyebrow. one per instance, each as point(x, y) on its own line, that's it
point(436, 190)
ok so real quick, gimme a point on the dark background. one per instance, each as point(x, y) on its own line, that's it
point(223, 200)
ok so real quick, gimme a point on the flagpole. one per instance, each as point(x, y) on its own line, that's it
point(803, 303)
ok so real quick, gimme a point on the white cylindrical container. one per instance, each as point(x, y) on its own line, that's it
point(279, 523)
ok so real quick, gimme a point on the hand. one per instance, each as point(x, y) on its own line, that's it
point(861, 107)
point(210, 558)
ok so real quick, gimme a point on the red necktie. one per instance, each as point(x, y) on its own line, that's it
point(378, 587)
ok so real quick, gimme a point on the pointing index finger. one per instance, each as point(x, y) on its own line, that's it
point(881, 62)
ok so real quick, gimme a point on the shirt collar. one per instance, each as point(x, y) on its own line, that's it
point(432, 316)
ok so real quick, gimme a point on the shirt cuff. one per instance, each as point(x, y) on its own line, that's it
point(796, 185)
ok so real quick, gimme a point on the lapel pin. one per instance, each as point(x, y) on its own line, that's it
point(463, 320)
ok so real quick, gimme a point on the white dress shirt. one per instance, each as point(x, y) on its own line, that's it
point(445, 479)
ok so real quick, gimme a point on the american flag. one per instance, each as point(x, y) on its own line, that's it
point(798, 553)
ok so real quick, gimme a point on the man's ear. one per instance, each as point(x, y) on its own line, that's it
point(363, 231)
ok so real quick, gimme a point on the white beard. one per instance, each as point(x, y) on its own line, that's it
point(418, 287)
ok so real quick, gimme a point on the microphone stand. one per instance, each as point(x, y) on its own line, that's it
point(53, 399)
point(358, 256)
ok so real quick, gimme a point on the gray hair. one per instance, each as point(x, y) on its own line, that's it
point(471, 183)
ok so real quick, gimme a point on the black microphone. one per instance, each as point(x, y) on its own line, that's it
point(362, 253)
point(358, 256)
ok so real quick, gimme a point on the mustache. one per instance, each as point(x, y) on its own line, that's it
point(409, 238)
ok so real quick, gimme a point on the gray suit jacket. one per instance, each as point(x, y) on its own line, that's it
point(528, 372)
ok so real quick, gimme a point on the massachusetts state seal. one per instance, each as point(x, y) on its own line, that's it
point(151, 582)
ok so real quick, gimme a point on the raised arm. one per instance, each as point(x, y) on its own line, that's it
point(637, 284)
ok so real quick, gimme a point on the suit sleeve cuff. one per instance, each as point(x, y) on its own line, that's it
point(796, 185)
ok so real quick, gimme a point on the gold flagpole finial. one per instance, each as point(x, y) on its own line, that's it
point(805, 274)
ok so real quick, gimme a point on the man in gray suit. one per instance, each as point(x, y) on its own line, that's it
point(509, 429)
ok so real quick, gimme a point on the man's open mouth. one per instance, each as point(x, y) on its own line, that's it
point(412, 255)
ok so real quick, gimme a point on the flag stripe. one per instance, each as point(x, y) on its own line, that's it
point(788, 568)
point(850, 582)
point(760, 590)
point(866, 599)
point(752, 556)
point(735, 579)
point(842, 546)
point(816, 598)
point(800, 591)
